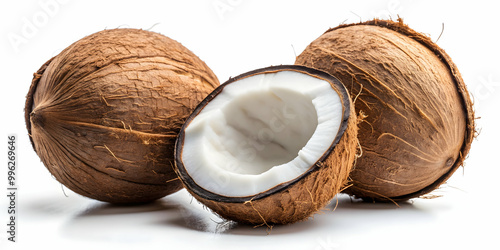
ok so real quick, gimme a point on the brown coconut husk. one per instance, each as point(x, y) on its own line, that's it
point(419, 122)
point(103, 115)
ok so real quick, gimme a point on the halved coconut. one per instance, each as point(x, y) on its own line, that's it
point(271, 146)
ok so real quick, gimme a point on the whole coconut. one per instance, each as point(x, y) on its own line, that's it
point(418, 117)
point(103, 115)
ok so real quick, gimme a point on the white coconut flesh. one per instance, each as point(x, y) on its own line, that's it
point(261, 131)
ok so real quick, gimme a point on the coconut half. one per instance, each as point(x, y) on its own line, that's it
point(271, 146)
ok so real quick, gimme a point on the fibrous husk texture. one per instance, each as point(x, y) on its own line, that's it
point(419, 120)
point(304, 198)
point(103, 115)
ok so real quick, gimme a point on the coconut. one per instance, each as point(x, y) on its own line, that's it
point(271, 146)
point(418, 118)
point(104, 114)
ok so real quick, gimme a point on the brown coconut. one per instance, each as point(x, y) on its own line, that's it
point(285, 202)
point(103, 115)
point(418, 117)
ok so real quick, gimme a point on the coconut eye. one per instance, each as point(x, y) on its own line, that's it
point(449, 162)
point(270, 146)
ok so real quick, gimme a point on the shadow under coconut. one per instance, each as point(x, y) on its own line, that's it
point(55, 205)
point(179, 210)
point(193, 215)
point(196, 217)
point(346, 202)
point(347, 212)
point(123, 223)
point(340, 206)
point(264, 230)
point(343, 212)
point(106, 209)
point(104, 221)
point(209, 222)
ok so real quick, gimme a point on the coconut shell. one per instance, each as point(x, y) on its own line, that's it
point(418, 121)
point(297, 199)
point(103, 115)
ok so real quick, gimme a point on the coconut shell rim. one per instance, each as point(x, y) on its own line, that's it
point(405, 30)
point(192, 186)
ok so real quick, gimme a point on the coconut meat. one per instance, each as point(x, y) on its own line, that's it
point(261, 131)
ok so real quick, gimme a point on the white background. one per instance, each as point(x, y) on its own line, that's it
point(232, 37)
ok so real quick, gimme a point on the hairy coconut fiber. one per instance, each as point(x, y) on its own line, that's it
point(418, 117)
point(103, 115)
point(297, 199)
